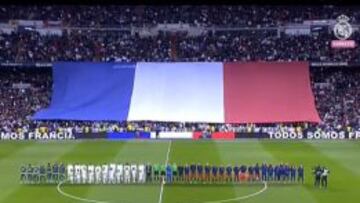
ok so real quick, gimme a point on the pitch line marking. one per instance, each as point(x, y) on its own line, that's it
point(75, 197)
point(163, 182)
point(242, 197)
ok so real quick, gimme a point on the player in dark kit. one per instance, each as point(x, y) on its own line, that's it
point(42, 174)
point(222, 173)
point(292, 173)
point(187, 173)
point(192, 172)
point(317, 172)
point(281, 172)
point(229, 173)
point(148, 169)
point(199, 174)
point(214, 173)
point(55, 172)
point(49, 173)
point(287, 172)
point(243, 175)
point(251, 173)
point(270, 170)
point(181, 173)
point(62, 171)
point(264, 172)
point(236, 170)
point(277, 173)
point(300, 172)
point(207, 172)
point(257, 172)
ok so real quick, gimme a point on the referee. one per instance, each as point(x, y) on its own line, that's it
point(324, 177)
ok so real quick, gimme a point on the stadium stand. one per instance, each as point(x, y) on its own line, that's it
point(197, 15)
point(24, 91)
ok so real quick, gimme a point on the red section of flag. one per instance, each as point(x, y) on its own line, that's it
point(263, 92)
point(223, 136)
point(197, 135)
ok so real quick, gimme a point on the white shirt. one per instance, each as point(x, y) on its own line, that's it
point(325, 172)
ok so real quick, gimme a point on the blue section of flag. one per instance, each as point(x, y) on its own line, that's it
point(90, 91)
point(128, 135)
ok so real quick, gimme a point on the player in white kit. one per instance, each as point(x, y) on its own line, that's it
point(141, 174)
point(91, 174)
point(133, 173)
point(97, 174)
point(77, 174)
point(112, 170)
point(127, 177)
point(84, 174)
point(105, 173)
point(119, 173)
point(70, 173)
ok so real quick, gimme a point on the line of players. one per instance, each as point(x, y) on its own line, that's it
point(194, 173)
point(106, 173)
point(51, 173)
point(171, 173)
point(83, 174)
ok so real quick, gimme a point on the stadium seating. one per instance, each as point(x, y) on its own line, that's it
point(24, 91)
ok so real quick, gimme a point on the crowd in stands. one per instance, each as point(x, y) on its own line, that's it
point(219, 46)
point(216, 15)
point(24, 91)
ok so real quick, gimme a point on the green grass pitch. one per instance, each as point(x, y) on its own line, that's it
point(341, 157)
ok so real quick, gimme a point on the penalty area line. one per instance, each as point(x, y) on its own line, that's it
point(75, 197)
point(163, 182)
point(242, 197)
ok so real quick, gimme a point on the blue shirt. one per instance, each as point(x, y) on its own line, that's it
point(199, 168)
point(287, 170)
point(214, 170)
point(293, 171)
point(300, 171)
point(270, 170)
point(236, 170)
point(228, 170)
point(281, 170)
point(207, 169)
point(187, 169)
point(168, 170)
point(277, 170)
point(263, 169)
point(257, 169)
point(193, 168)
point(221, 170)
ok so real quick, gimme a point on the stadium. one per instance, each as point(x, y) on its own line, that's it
point(179, 104)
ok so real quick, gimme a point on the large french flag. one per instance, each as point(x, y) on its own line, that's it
point(253, 92)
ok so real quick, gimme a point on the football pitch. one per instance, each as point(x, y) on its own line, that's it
point(341, 157)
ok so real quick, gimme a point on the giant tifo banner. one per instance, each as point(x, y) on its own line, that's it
point(254, 92)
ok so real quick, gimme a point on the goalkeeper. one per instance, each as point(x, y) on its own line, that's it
point(169, 173)
point(175, 172)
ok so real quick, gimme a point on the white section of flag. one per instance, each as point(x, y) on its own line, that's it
point(179, 92)
point(175, 135)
